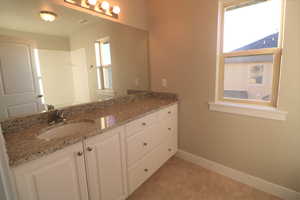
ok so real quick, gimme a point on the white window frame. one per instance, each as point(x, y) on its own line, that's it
point(268, 110)
point(101, 67)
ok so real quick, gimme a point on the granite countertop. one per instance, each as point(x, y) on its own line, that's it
point(24, 145)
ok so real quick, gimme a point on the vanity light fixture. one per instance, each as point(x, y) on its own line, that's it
point(98, 6)
point(48, 16)
point(92, 2)
point(105, 5)
point(116, 10)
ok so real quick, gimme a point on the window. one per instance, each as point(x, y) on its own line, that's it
point(103, 64)
point(250, 53)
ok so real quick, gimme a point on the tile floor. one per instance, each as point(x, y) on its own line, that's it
point(182, 180)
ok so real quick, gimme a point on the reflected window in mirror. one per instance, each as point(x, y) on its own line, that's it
point(103, 64)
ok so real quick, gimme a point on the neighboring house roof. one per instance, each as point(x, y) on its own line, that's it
point(267, 42)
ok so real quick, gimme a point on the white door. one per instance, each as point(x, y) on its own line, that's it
point(19, 91)
point(106, 171)
point(59, 176)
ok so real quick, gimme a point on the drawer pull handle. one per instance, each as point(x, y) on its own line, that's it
point(146, 170)
point(169, 149)
point(145, 143)
point(90, 149)
point(169, 129)
point(144, 124)
point(79, 153)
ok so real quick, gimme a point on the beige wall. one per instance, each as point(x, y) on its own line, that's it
point(129, 54)
point(183, 50)
point(133, 12)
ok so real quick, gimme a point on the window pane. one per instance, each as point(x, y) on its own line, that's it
point(252, 25)
point(249, 77)
point(97, 53)
point(99, 84)
point(107, 74)
point(105, 50)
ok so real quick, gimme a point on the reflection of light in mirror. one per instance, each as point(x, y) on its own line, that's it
point(39, 74)
point(103, 124)
point(107, 121)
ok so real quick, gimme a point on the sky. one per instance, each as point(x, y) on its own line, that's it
point(248, 24)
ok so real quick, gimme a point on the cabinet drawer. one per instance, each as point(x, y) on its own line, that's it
point(139, 173)
point(143, 169)
point(138, 145)
point(165, 128)
point(140, 124)
point(168, 112)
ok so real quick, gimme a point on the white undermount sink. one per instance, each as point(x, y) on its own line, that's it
point(67, 129)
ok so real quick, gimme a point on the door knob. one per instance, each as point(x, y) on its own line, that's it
point(79, 153)
point(90, 149)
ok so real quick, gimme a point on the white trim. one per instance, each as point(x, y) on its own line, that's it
point(249, 110)
point(242, 177)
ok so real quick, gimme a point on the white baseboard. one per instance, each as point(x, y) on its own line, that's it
point(242, 177)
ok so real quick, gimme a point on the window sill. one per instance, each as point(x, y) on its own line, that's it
point(249, 110)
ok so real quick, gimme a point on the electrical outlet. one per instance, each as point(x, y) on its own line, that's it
point(164, 82)
point(137, 82)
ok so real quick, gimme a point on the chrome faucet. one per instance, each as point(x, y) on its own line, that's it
point(56, 117)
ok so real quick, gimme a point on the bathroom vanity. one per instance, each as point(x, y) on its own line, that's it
point(129, 139)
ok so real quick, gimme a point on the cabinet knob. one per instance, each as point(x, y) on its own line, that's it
point(90, 148)
point(144, 124)
point(169, 149)
point(146, 170)
point(169, 129)
point(79, 153)
point(145, 143)
point(169, 112)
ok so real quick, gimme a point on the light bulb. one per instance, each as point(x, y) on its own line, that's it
point(92, 2)
point(48, 16)
point(116, 10)
point(105, 5)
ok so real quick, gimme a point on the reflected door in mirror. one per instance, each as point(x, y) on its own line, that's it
point(19, 90)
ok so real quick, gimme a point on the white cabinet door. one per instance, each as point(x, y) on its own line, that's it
point(106, 167)
point(59, 176)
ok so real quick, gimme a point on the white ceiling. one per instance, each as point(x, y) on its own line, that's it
point(23, 15)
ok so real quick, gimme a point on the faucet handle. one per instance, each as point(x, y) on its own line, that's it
point(60, 113)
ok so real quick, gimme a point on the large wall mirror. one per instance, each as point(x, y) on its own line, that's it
point(77, 58)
